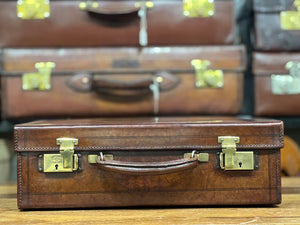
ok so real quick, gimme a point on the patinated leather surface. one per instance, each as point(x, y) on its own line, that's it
point(69, 26)
point(268, 33)
point(149, 140)
point(134, 67)
point(266, 103)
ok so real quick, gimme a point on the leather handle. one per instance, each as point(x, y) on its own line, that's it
point(131, 88)
point(147, 168)
point(122, 86)
point(120, 11)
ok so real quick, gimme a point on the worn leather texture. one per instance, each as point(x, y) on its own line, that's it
point(68, 26)
point(267, 103)
point(115, 81)
point(155, 143)
point(268, 33)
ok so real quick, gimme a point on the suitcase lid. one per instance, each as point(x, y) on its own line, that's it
point(104, 61)
point(153, 133)
point(267, 63)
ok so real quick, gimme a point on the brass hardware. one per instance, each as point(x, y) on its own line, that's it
point(230, 159)
point(92, 159)
point(65, 161)
point(287, 84)
point(205, 77)
point(93, 4)
point(149, 4)
point(87, 4)
point(198, 8)
point(40, 80)
point(290, 20)
point(33, 9)
point(202, 157)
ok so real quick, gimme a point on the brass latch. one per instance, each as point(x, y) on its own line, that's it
point(230, 159)
point(290, 20)
point(205, 77)
point(33, 9)
point(65, 161)
point(40, 80)
point(287, 84)
point(198, 8)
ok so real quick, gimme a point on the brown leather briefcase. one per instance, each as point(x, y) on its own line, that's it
point(277, 25)
point(66, 23)
point(148, 162)
point(277, 83)
point(122, 81)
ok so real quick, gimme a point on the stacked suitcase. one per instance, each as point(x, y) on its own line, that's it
point(276, 58)
point(70, 59)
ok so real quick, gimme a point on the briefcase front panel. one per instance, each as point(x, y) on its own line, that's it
point(277, 82)
point(44, 83)
point(148, 162)
point(118, 23)
point(277, 26)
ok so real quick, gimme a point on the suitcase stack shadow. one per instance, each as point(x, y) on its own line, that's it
point(132, 103)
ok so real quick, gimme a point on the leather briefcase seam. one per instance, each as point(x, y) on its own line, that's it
point(147, 147)
point(20, 183)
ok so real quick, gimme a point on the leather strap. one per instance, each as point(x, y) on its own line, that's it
point(147, 168)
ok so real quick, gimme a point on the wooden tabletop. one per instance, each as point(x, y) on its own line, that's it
point(286, 213)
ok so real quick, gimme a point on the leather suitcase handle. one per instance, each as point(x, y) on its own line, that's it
point(108, 86)
point(115, 88)
point(120, 13)
point(146, 168)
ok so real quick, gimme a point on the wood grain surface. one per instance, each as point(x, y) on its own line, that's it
point(286, 213)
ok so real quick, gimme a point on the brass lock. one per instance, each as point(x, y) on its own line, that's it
point(65, 161)
point(205, 77)
point(290, 20)
point(40, 80)
point(287, 84)
point(230, 159)
point(33, 9)
point(198, 8)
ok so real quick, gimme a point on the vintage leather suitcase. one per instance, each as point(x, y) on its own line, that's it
point(122, 81)
point(277, 25)
point(277, 83)
point(148, 162)
point(33, 23)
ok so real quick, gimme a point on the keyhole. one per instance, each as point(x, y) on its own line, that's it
point(240, 164)
point(56, 166)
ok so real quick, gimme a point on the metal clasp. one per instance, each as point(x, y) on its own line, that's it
point(204, 77)
point(290, 20)
point(198, 8)
point(40, 80)
point(230, 159)
point(33, 9)
point(65, 161)
point(287, 84)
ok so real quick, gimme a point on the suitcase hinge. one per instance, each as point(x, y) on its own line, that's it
point(206, 78)
point(230, 159)
point(290, 20)
point(198, 8)
point(33, 9)
point(289, 83)
point(65, 161)
point(40, 80)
